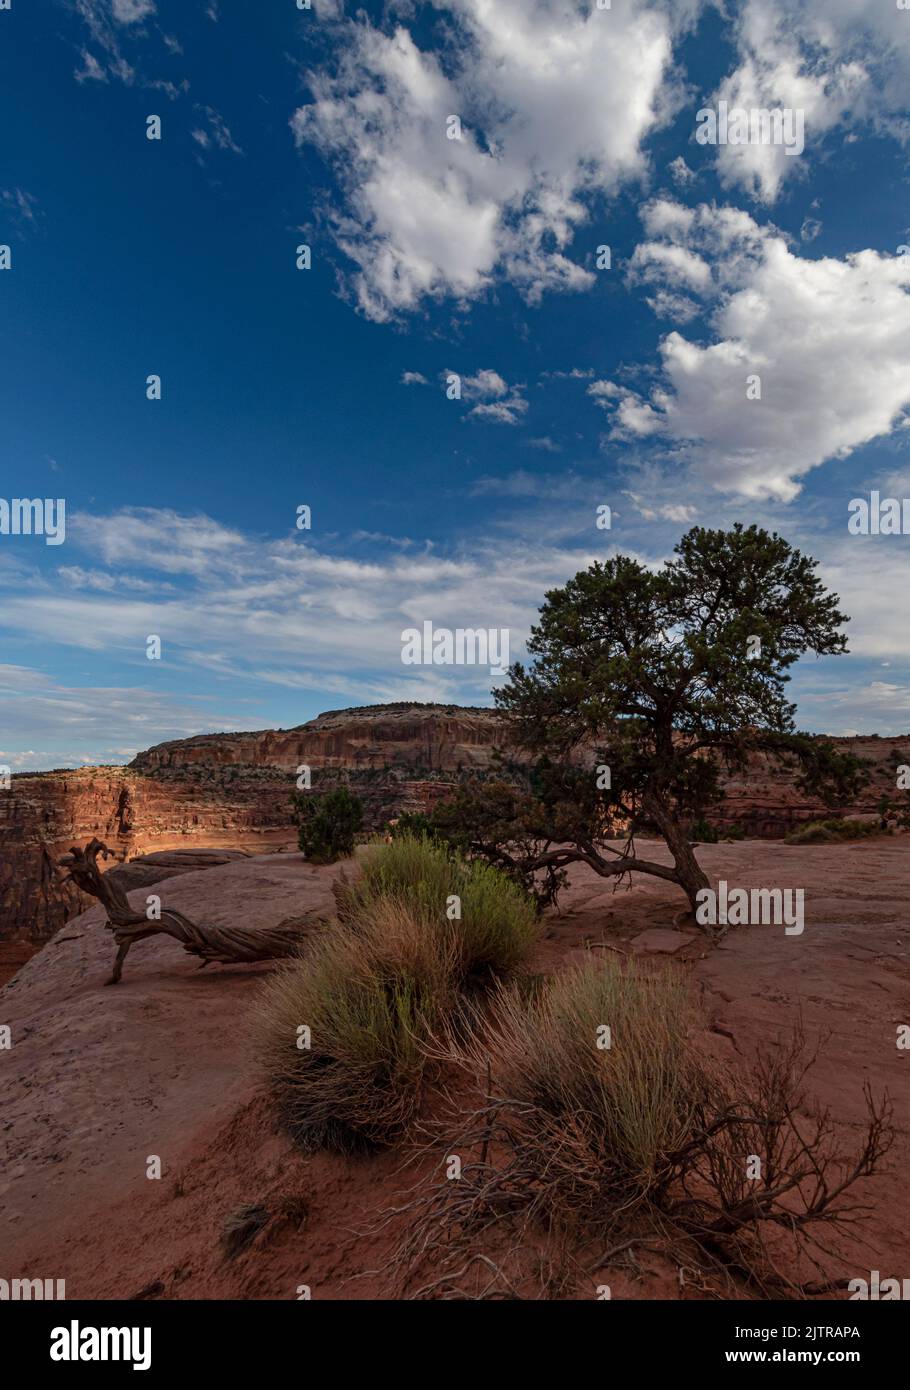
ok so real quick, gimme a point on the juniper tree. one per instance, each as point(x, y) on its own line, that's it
point(645, 685)
point(328, 824)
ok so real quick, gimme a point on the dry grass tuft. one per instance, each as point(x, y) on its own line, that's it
point(368, 997)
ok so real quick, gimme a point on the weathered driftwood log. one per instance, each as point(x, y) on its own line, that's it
point(229, 945)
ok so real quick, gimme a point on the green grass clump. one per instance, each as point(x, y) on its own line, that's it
point(378, 983)
point(591, 1123)
point(370, 998)
point(820, 832)
point(498, 924)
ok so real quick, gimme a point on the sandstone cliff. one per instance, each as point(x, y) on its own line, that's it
point(233, 791)
point(224, 790)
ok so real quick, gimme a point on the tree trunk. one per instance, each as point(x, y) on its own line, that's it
point(690, 875)
point(229, 945)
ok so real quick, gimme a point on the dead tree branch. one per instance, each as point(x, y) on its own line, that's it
point(228, 945)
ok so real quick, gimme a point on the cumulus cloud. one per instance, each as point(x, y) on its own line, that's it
point(552, 102)
point(680, 172)
point(497, 401)
point(843, 64)
point(829, 340)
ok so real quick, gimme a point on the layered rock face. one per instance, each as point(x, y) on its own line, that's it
point(766, 802)
point(233, 791)
point(423, 738)
point(228, 791)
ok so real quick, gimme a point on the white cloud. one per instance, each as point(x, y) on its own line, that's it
point(829, 339)
point(656, 260)
point(508, 412)
point(114, 723)
point(218, 132)
point(245, 607)
point(576, 374)
point(681, 173)
point(91, 70)
point(497, 401)
point(103, 581)
point(114, 26)
point(131, 11)
point(678, 307)
point(485, 383)
point(555, 102)
point(159, 539)
point(845, 64)
point(413, 379)
point(19, 204)
point(678, 512)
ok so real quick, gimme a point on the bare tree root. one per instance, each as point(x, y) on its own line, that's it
point(228, 945)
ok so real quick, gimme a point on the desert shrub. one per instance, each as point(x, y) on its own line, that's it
point(369, 997)
point(378, 984)
point(410, 867)
point(803, 1192)
point(819, 832)
point(412, 825)
point(571, 1141)
point(701, 832)
point(590, 1123)
point(328, 824)
point(498, 923)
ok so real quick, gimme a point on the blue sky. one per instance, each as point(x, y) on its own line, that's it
point(477, 256)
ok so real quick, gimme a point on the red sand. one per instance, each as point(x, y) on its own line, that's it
point(99, 1079)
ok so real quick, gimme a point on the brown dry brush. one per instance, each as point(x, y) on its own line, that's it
point(805, 1194)
point(550, 1175)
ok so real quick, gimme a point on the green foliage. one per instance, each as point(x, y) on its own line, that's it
point(595, 1123)
point(818, 832)
point(700, 831)
point(652, 675)
point(328, 824)
point(498, 922)
point(411, 825)
point(370, 997)
point(378, 984)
